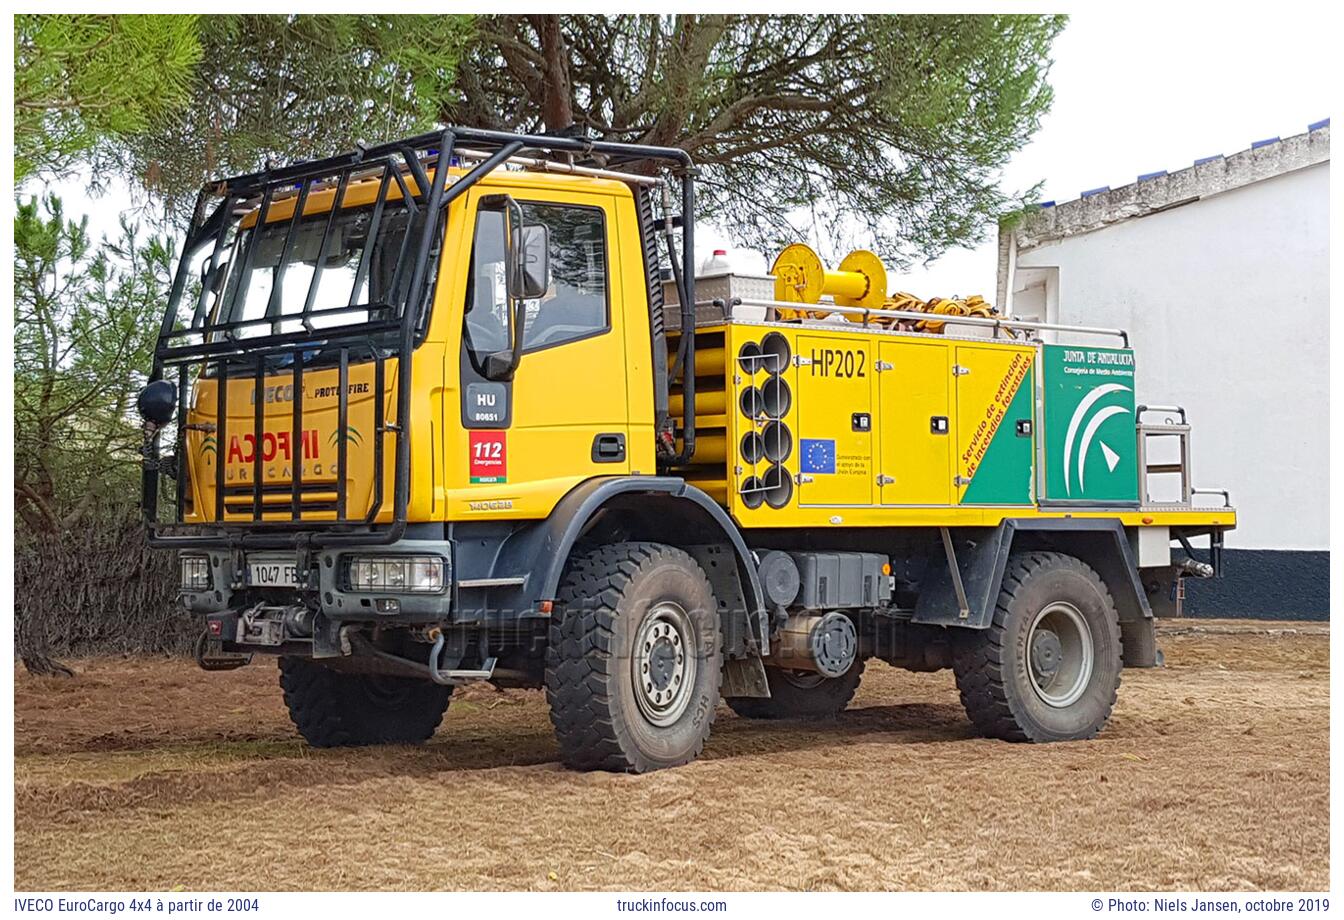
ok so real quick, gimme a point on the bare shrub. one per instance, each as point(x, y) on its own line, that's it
point(96, 590)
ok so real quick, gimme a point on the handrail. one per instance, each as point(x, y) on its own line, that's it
point(1139, 410)
point(1225, 493)
point(936, 317)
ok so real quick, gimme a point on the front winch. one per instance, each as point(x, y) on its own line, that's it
point(271, 626)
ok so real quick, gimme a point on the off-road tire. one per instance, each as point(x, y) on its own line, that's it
point(825, 699)
point(991, 665)
point(604, 599)
point(336, 709)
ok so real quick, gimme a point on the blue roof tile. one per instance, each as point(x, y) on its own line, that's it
point(1318, 125)
point(1152, 175)
point(1095, 191)
point(1202, 160)
point(1256, 145)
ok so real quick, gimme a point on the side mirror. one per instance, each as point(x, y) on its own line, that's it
point(527, 275)
point(531, 263)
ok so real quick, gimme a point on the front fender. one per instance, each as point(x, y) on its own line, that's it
point(505, 573)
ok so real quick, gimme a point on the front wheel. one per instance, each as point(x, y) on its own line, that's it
point(1048, 666)
point(337, 709)
point(632, 667)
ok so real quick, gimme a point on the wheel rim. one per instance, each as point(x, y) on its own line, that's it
point(1059, 654)
point(664, 664)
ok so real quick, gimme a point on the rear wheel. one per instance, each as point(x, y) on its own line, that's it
point(632, 667)
point(336, 709)
point(1048, 666)
point(800, 695)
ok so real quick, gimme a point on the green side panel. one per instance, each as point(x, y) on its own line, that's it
point(1004, 476)
point(1091, 452)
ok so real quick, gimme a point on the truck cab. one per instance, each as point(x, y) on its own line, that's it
point(430, 412)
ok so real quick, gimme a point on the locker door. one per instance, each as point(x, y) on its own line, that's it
point(915, 387)
point(835, 435)
point(994, 425)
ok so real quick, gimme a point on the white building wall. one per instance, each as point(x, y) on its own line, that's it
point(1226, 300)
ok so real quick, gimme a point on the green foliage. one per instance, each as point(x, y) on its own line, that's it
point(86, 319)
point(81, 80)
point(889, 130)
point(297, 87)
point(1011, 220)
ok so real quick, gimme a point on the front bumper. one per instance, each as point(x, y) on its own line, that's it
point(324, 583)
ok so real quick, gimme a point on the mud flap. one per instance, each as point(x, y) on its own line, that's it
point(1138, 642)
point(745, 677)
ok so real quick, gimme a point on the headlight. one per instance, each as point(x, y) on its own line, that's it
point(396, 574)
point(195, 572)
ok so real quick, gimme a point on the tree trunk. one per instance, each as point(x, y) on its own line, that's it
point(557, 108)
point(45, 666)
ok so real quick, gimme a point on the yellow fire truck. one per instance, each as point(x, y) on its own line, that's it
point(457, 408)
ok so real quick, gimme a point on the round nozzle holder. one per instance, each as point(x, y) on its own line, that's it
point(778, 441)
point(776, 398)
point(776, 353)
point(752, 492)
point(753, 447)
point(778, 484)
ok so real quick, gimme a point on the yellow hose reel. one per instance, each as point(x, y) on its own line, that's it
point(860, 281)
point(800, 277)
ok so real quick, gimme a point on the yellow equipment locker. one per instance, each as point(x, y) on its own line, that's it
point(835, 421)
point(914, 396)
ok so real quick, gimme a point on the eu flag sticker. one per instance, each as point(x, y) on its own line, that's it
point(818, 455)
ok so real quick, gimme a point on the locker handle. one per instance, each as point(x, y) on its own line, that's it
point(938, 424)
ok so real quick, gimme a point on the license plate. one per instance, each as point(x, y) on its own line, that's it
point(272, 573)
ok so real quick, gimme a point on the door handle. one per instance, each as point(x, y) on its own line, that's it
point(938, 424)
point(609, 448)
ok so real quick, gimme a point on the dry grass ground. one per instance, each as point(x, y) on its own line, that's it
point(1213, 774)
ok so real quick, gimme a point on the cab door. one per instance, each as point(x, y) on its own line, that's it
point(564, 417)
point(915, 390)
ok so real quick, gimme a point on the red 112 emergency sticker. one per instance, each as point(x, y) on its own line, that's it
point(489, 456)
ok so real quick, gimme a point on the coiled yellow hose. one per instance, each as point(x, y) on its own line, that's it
point(974, 305)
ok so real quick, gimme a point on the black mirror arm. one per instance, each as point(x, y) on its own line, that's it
point(501, 365)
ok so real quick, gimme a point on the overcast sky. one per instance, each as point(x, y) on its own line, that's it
point(1135, 92)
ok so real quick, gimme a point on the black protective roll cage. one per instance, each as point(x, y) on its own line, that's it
point(209, 339)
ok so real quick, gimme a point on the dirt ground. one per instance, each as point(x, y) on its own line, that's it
point(1213, 773)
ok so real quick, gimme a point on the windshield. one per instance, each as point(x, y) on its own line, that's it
point(313, 277)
